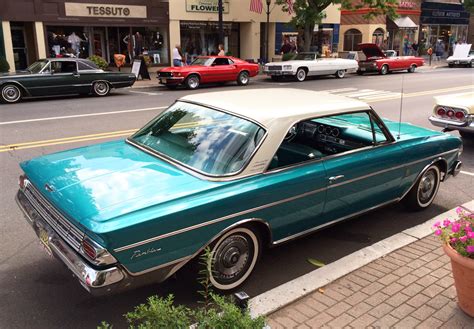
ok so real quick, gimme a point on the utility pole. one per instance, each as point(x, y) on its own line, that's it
point(267, 30)
point(221, 25)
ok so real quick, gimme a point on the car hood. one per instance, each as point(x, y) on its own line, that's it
point(371, 50)
point(461, 51)
point(94, 184)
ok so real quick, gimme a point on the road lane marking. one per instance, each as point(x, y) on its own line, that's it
point(26, 145)
point(83, 115)
point(467, 173)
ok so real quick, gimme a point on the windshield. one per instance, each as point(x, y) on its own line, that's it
point(36, 67)
point(207, 140)
point(204, 61)
point(304, 57)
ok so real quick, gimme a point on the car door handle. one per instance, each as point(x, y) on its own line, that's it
point(332, 179)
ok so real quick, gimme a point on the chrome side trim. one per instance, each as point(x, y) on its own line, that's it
point(297, 235)
point(217, 220)
point(182, 261)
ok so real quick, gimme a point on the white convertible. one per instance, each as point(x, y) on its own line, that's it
point(463, 55)
point(307, 64)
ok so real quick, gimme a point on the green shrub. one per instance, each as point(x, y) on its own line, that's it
point(99, 61)
point(4, 66)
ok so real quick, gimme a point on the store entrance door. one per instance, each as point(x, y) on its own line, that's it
point(99, 43)
point(20, 51)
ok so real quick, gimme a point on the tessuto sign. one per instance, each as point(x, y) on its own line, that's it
point(104, 10)
point(206, 6)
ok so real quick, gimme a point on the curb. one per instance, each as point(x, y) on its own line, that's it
point(289, 292)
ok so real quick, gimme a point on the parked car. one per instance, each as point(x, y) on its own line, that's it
point(61, 76)
point(208, 69)
point(308, 64)
point(455, 112)
point(237, 171)
point(385, 62)
point(463, 55)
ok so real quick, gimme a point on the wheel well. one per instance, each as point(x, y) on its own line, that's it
point(414, 65)
point(443, 167)
point(22, 89)
point(244, 71)
point(263, 231)
point(196, 74)
point(304, 68)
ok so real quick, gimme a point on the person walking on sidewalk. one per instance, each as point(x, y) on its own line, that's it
point(178, 58)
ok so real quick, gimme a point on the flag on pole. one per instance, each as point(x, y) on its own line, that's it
point(256, 6)
point(290, 7)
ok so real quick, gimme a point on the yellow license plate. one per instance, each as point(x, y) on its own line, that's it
point(44, 239)
point(163, 80)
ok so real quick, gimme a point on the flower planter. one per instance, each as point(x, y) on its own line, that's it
point(463, 273)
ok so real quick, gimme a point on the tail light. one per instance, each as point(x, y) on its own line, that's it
point(89, 249)
point(450, 113)
point(459, 115)
point(441, 112)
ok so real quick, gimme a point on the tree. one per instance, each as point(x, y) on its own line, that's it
point(469, 5)
point(308, 13)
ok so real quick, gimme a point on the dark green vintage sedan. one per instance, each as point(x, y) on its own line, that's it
point(61, 76)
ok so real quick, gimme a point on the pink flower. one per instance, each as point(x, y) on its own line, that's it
point(468, 228)
point(437, 224)
point(446, 222)
point(438, 232)
point(470, 249)
point(459, 210)
point(455, 228)
point(463, 239)
point(453, 240)
point(470, 235)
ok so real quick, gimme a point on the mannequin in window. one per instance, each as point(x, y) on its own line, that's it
point(138, 43)
point(129, 40)
point(75, 42)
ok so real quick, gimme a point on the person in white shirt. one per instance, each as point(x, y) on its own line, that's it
point(177, 56)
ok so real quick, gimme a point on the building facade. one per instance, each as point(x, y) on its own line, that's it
point(426, 23)
point(33, 29)
point(193, 25)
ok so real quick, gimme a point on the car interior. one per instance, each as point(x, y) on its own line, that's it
point(321, 137)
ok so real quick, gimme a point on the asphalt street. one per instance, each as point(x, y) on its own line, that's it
point(37, 292)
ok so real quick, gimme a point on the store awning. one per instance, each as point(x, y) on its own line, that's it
point(404, 22)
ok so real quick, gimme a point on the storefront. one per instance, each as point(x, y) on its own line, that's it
point(59, 28)
point(443, 24)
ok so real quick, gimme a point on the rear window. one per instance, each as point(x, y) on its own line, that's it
point(86, 65)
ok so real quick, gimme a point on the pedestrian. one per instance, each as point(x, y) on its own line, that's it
point(439, 50)
point(286, 47)
point(414, 47)
point(221, 50)
point(178, 58)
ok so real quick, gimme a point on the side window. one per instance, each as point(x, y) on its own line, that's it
point(320, 137)
point(63, 66)
point(221, 61)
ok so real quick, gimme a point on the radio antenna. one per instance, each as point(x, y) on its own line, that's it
point(401, 108)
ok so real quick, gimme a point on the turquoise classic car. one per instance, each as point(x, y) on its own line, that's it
point(237, 171)
point(61, 76)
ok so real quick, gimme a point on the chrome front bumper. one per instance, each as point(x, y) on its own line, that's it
point(467, 126)
point(267, 72)
point(95, 281)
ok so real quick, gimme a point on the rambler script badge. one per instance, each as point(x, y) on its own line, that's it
point(48, 188)
point(138, 253)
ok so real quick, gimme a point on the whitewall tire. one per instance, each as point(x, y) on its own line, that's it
point(234, 256)
point(340, 74)
point(300, 74)
point(10, 93)
point(424, 191)
point(101, 88)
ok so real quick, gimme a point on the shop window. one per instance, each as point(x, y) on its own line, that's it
point(378, 37)
point(352, 38)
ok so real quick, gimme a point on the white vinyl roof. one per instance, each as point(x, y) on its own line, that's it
point(277, 110)
point(266, 106)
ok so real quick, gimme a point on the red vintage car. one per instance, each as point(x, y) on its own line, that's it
point(208, 69)
point(384, 62)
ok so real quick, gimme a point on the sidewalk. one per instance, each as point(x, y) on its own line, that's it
point(408, 285)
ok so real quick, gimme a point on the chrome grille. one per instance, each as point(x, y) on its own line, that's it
point(61, 225)
point(274, 68)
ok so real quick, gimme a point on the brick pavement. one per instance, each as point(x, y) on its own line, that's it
point(411, 287)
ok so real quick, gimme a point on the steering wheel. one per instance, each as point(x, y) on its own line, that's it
point(291, 134)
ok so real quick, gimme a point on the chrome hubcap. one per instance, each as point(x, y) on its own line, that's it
point(232, 258)
point(427, 187)
point(244, 78)
point(11, 93)
point(384, 70)
point(101, 88)
point(193, 82)
point(340, 73)
point(301, 75)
